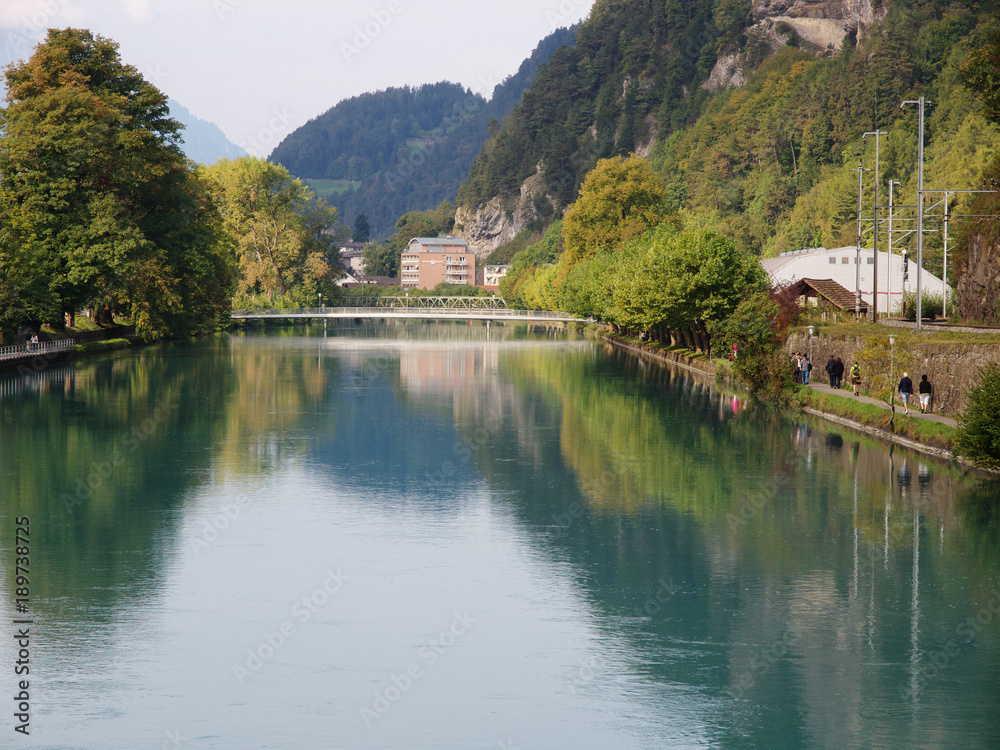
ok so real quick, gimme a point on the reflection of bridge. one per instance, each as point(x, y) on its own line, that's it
point(421, 308)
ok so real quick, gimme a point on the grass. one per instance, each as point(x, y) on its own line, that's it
point(326, 188)
point(919, 430)
point(96, 347)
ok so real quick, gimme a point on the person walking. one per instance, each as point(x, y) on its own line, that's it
point(831, 365)
point(925, 394)
point(905, 391)
point(856, 378)
point(805, 366)
point(838, 373)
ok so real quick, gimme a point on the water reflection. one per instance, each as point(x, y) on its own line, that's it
point(652, 560)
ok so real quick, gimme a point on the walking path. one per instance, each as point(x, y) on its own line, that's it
point(846, 392)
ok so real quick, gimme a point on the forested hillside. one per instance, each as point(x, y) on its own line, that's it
point(753, 129)
point(404, 149)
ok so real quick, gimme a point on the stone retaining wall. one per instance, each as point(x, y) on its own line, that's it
point(951, 368)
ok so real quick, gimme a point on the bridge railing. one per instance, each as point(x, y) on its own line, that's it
point(19, 351)
point(477, 303)
point(360, 312)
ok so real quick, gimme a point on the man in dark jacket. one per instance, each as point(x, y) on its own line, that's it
point(925, 394)
point(838, 372)
point(831, 365)
point(905, 391)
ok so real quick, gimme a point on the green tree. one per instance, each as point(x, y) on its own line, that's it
point(98, 198)
point(760, 362)
point(979, 423)
point(280, 235)
point(362, 229)
point(981, 72)
point(619, 200)
point(686, 281)
point(381, 260)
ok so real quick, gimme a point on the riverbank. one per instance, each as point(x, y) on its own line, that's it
point(84, 343)
point(934, 438)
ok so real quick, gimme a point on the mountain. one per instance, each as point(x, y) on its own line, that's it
point(390, 152)
point(752, 113)
point(203, 141)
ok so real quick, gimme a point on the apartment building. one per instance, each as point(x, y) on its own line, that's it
point(427, 261)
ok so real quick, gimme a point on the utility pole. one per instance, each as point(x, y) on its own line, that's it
point(920, 200)
point(944, 292)
point(857, 249)
point(888, 295)
point(875, 133)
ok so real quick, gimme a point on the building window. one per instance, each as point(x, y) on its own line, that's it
point(832, 259)
point(871, 261)
point(845, 260)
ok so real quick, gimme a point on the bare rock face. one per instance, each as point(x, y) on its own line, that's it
point(824, 24)
point(978, 290)
point(728, 71)
point(494, 224)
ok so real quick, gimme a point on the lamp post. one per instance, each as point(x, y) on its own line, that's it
point(888, 273)
point(321, 301)
point(407, 301)
point(892, 374)
point(812, 330)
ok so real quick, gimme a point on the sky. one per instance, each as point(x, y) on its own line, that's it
point(260, 68)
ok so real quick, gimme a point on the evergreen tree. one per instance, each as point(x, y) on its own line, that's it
point(362, 230)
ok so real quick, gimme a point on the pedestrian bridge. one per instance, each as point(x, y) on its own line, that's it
point(419, 308)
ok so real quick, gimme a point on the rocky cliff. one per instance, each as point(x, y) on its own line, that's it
point(821, 24)
point(977, 292)
point(498, 222)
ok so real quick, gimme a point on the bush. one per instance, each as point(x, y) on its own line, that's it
point(979, 431)
point(931, 305)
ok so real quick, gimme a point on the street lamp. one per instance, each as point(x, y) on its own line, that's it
point(892, 374)
point(321, 301)
point(812, 330)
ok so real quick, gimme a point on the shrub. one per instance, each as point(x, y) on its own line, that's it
point(931, 305)
point(979, 431)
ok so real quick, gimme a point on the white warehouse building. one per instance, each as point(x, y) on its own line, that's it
point(839, 264)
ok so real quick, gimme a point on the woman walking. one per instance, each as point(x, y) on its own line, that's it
point(856, 378)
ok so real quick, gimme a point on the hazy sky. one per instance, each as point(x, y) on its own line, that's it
point(260, 68)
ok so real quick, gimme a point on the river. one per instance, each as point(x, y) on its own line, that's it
point(447, 536)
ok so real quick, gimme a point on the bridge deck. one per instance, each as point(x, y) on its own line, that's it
point(418, 313)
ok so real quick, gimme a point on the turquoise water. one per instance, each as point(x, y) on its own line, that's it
point(439, 536)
